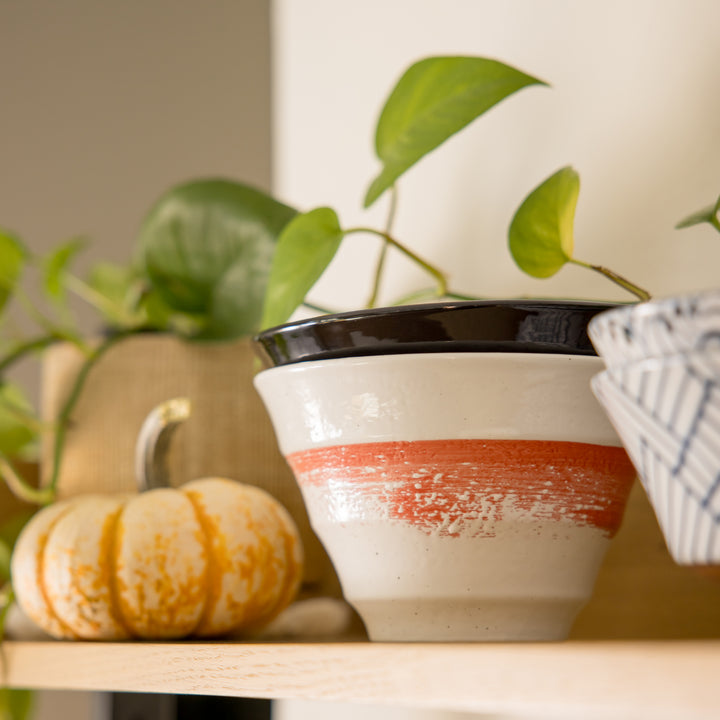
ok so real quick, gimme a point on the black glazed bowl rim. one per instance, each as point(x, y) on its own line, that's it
point(533, 326)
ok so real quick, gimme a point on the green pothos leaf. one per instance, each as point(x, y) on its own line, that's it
point(541, 232)
point(305, 248)
point(209, 242)
point(436, 98)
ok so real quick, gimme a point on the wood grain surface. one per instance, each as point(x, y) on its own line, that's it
point(574, 679)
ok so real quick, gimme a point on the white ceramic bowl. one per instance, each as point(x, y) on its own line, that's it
point(461, 496)
point(657, 328)
point(667, 412)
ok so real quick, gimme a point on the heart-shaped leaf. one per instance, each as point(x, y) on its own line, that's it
point(541, 232)
point(202, 231)
point(434, 99)
point(304, 250)
point(12, 261)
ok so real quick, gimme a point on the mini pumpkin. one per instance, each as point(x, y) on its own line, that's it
point(209, 558)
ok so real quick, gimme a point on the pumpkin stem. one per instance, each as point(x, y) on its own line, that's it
point(153, 443)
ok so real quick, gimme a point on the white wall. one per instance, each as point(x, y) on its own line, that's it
point(634, 106)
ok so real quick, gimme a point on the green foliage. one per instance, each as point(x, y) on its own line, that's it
point(9, 531)
point(305, 249)
point(125, 299)
point(16, 704)
point(709, 214)
point(12, 260)
point(207, 247)
point(436, 98)
point(18, 425)
point(115, 287)
point(11, 528)
point(433, 100)
point(55, 266)
point(541, 231)
point(5, 555)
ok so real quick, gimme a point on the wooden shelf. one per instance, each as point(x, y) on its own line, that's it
point(665, 679)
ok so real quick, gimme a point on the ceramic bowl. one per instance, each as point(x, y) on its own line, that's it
point(461, 495)
point(657, 328)
point(667, 412)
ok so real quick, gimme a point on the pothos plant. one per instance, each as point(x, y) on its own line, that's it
point(435, 98)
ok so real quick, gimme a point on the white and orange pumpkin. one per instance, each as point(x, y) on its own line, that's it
point(209, 558)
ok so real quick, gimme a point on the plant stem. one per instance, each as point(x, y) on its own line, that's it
point(98, 300)
point(7, 597)
point(22, 415)
point(380, 267)
point(19, 488)
point(439, 276)
point(29, 346)
point(67, 409)
point(430, 292)
point(317, 308)
point(33, 313)
point(617, 279)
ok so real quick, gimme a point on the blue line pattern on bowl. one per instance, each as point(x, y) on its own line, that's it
point(667, 412)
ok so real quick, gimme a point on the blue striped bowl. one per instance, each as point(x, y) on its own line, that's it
point(667, 413)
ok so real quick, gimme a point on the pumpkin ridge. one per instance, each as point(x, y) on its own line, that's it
point(259, 557)
point(292, 568)
point(110, 542)
point(212, 579)
point(40, 579)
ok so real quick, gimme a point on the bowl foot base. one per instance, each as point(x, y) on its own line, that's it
point(468, 620)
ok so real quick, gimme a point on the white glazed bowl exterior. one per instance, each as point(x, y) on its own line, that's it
point(657, 328)
point(401, 460)
point(667, 412)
